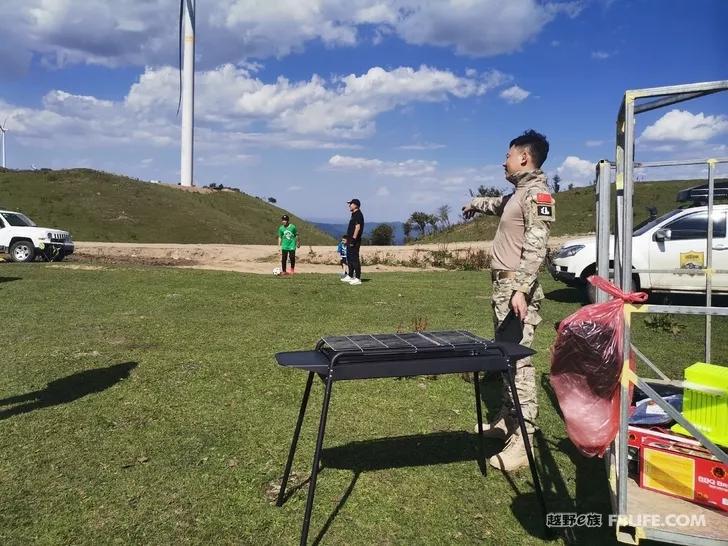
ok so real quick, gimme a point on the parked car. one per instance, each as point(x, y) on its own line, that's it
point(676, 240)
point(23, 240)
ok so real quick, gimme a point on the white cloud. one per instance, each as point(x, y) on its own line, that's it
point(235, 107)
point(577, 171)
point(144, 32)
point(422, 146)
point(682, 126)
point(342, 106)
point(514, 94)
point(600, 55)
point(349, 110)
point(479, 28)
point(295, 188)
point(382, 192)
point(594, 143)
point(407, 168)
point(226, 159)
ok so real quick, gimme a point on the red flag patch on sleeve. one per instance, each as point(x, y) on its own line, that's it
point(544, 199)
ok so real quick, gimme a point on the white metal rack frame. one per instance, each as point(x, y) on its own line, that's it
point(628, 500)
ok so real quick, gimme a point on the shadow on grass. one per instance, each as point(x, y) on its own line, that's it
point(548, 389)
point(408, 451)
point(67, 389)
point(591, 487)
point(10, 279)
point(567, 295)
point(403, 451)
point(332, 516)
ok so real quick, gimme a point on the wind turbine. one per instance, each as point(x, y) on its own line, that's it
point(3, 130)
point(187, 87)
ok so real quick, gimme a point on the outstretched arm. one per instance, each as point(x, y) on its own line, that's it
point(485, 205)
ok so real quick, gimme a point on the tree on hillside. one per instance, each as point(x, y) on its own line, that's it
point(382, 235)
point(433, 221)
point(443, 214)
point(571, 187)
point(272, 200)
point(490, 191)
point(420, 219)
point(556, 183)
point(407, 229)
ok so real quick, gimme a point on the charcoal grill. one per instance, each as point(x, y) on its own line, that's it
point(339, 358)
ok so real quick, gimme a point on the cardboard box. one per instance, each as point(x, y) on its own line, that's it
point(679, 466)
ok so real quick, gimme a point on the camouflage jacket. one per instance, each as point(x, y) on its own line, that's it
point(537, 213)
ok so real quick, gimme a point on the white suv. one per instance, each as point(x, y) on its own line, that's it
point(23, 240)
point(676, 240)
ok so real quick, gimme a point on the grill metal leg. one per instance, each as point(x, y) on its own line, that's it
point(479, 412)
point(478, 405)
point(294, 443)
point(316, 459)
point(509, 377)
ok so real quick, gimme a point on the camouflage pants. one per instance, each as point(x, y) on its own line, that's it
point(525, 372)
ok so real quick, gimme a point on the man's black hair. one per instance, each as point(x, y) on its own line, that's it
point(536, 143)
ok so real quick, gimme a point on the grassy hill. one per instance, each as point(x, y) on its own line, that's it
point(98, 206)
point(575, 211)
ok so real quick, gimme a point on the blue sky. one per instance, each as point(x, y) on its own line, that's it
point(405, 104)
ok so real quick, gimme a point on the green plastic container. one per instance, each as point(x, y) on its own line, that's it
point(707, 411)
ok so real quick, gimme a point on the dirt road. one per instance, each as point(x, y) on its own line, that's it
point(263, 258)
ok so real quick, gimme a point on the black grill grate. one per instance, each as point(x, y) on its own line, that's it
point(410, 342)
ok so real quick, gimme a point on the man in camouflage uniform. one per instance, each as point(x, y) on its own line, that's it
point(519, 248)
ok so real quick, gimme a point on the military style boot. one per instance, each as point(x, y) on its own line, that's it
point(500, 428)
point(514, 454)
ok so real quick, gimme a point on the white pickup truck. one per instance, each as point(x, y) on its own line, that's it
point(676, 240)
point(23, 240)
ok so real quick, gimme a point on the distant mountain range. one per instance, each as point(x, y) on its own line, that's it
point(337, 230)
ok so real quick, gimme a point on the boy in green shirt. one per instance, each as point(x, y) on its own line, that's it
point(289, 241)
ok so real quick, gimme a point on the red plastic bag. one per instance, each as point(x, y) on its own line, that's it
point(586, 367)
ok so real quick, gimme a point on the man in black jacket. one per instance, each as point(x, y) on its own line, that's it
point(354, 234)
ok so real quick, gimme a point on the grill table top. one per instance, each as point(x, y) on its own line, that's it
point(397, 355)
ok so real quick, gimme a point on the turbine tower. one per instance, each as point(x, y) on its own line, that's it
point(187, 88)
point(3, 130)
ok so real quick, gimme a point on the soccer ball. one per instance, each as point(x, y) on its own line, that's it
point(276, 271)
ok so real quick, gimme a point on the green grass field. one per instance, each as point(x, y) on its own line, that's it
point(99, 206)
point(144, 406)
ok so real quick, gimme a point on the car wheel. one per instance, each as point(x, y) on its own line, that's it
point(590, 293)
point(22, 251)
